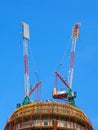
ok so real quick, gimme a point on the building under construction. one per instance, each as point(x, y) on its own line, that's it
point(49, 115)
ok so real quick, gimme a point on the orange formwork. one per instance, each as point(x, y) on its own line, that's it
point(48, 116)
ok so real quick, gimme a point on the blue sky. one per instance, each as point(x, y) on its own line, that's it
point(51, 24)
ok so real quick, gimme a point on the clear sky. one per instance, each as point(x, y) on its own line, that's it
point(51, 24)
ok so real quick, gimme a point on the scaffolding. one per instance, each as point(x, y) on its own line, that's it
point(48, 116)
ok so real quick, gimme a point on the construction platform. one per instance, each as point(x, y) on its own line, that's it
point(48, 116)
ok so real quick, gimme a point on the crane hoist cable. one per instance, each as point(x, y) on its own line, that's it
point(63, 57)
point(38, 96)
point(33, 63)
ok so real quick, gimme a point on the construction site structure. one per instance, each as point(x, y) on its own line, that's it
point(48, 116)
point(45, 115)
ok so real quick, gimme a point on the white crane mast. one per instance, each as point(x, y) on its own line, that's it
point(75, 33)
point(26, 37)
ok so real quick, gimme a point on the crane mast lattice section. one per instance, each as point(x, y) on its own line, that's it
point(71, 69)
point(26, 38)
point(26, 71)
point(75, 33)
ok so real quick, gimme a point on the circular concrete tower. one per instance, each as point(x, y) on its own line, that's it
point(48, 116)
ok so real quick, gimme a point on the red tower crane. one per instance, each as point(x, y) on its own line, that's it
point(70, 95)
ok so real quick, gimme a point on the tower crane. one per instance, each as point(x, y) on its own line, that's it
point(69, 95)
point(27, 91)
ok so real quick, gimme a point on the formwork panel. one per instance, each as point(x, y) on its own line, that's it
point(50, 116)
